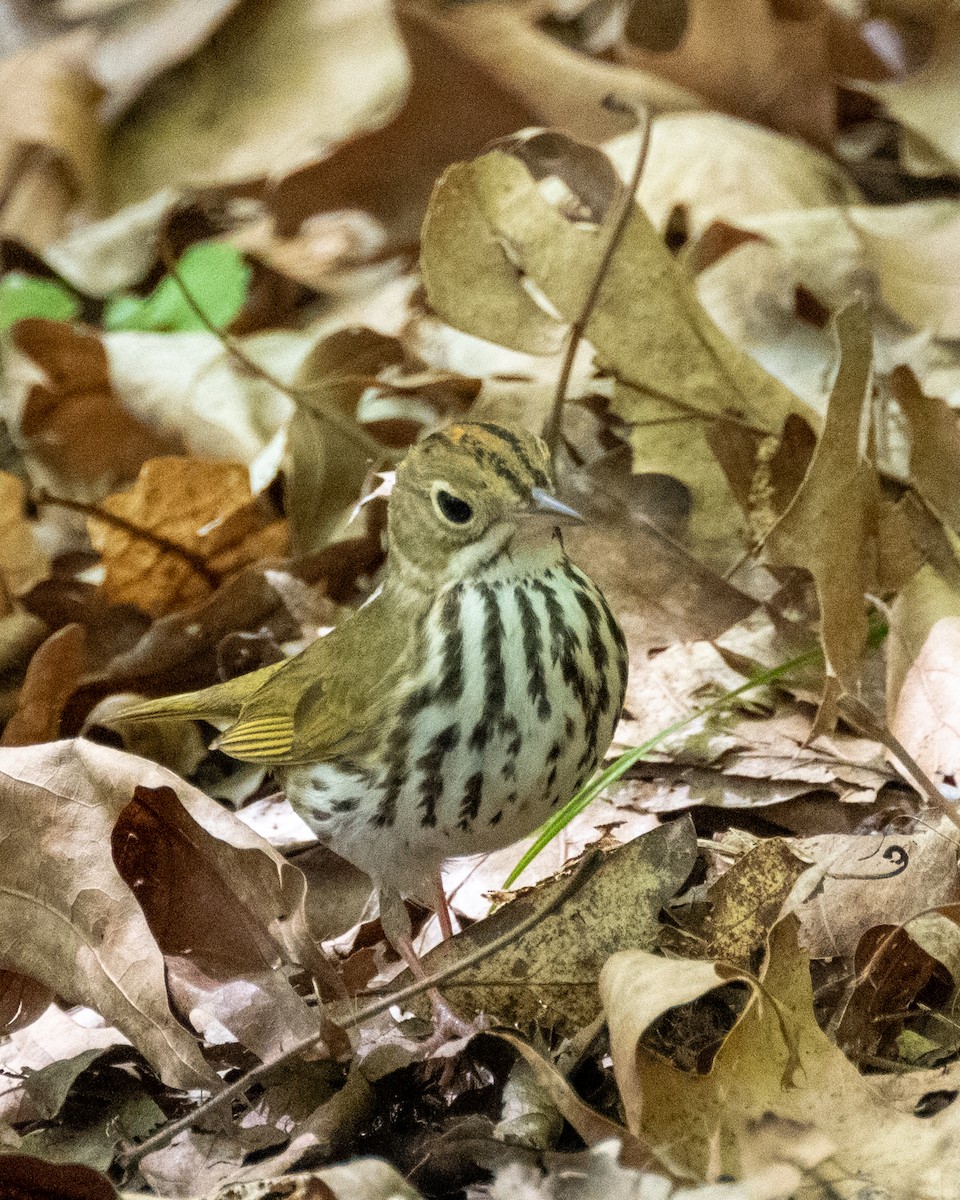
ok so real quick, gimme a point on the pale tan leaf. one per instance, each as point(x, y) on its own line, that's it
point(90, 938)
point(22, 562)
point(775, 1060)
point(839, 480)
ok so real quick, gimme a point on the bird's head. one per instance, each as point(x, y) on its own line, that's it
point(468, 495)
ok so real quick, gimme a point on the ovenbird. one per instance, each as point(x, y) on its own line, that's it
point(474, 693)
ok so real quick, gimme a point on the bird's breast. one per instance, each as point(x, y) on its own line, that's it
point(511, 699)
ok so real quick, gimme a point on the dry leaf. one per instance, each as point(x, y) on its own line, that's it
point(553, 969)
point(811, 533)
point(914, 249)
point(775, 1060)
point(51, 1037)
point(50, 140)
point(205, 522)
point(927, 716)
point(322, 72)
point(926, 100)
point(747, 901)
point(91, 940)
point(751, 58)
point(865, 880)
point(934, 446)
point(80, 438)
point(22, 562)
point(540, 210)
point(25, 1175)
point(717, 168)
point(51, 678)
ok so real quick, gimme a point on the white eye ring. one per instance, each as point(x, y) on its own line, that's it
point(450, 507)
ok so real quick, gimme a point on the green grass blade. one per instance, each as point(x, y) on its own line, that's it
point(590, 791)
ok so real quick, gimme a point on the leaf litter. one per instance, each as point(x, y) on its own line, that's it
point(753, 990)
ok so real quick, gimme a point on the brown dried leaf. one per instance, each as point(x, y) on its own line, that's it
point(22, 1001)
point(53, 674)
point(865, 880)
point(747, 901)
point(90, 938)
point(322, 72)
point(22, 562)
point(840, 480)
point(775, 1060)
point(934, 445)
point(50, 140)
point(202, 901)
point(205, 510)
point(750, 58)
point(552, 970)
point(74, 427)
point(25, 1175)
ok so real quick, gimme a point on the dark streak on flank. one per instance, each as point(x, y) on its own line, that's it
point(537, 681)
point(553, 757)
point(496, 818)
point(344, 806)
point(470, 803)
point(510, 727)
point(397, 747)
point(495, 676)
point(431, 763)
point(564, 643)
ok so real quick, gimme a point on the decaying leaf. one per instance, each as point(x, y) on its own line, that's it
point(51, 677)
point(106, 933)
point(923, 672)
point(840, 478)
point(775, 1060)
point(550, 974)
point(861, 881)
point(50, 139)
point(712, 167)
point(78, 435)
point(204, 522)
point(22, 562)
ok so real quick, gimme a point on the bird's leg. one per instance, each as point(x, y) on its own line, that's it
point(396, 925)
point(443, 908)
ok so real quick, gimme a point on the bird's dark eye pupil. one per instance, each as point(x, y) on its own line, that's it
point(453, 508)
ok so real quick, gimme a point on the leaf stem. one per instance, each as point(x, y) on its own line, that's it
point(587, 867)
point(554, 426)
point(195, 561)
point(231, 344)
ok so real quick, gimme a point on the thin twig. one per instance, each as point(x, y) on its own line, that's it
point(554, 426)
point(195, 561)
point(588, 867)
point(858, 714)
point(232, 346)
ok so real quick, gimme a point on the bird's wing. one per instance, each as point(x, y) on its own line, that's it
point(328, 700)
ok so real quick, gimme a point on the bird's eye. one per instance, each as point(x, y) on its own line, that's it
point(457, 511)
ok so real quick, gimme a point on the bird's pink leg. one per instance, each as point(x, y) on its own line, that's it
point(443, 909)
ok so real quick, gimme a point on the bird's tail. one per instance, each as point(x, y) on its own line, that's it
point(219, 704)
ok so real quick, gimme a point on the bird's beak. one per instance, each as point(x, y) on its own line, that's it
point(545, 505)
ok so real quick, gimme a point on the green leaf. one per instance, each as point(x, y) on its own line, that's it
point(27, 296)
point(216, 277)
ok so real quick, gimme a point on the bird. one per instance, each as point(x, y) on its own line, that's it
point(474, 693)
